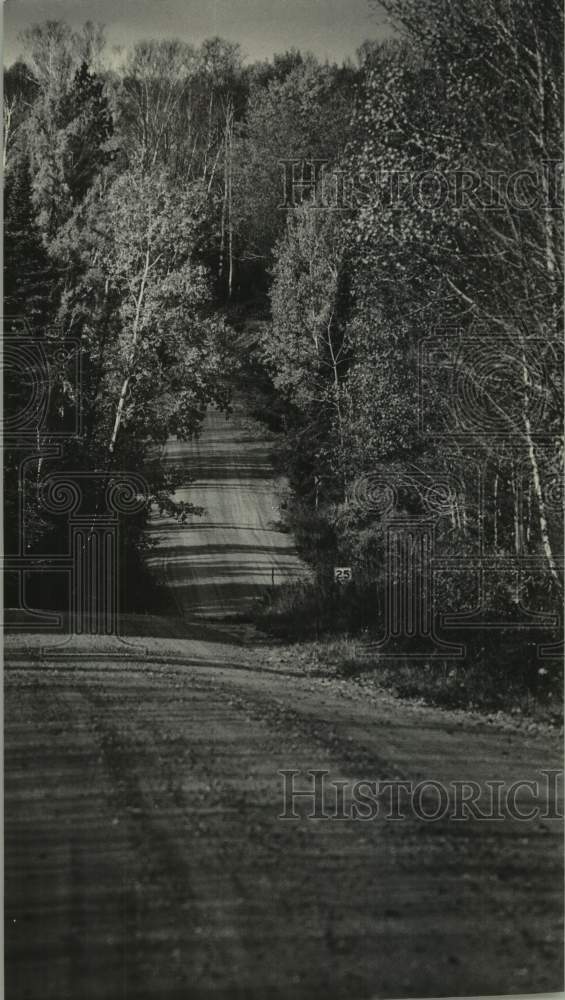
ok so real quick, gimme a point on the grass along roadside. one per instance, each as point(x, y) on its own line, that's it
point(459, 685)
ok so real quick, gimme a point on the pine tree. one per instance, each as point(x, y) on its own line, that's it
point(89, 128)
point(26, 267)
point(69, 135)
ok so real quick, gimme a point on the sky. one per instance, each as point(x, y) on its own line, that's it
point(331, 29)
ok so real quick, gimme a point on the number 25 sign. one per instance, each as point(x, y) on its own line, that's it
point(342, 574)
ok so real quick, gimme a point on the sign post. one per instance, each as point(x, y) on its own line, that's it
point(342, 575)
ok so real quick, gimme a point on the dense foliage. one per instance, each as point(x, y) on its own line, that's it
point(390, 236)
point(416, 338)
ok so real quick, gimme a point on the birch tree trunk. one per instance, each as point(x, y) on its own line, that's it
point(536, 478)
point(125, 385)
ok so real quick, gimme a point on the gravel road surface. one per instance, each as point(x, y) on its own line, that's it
point(217, 564)
point(145, 853)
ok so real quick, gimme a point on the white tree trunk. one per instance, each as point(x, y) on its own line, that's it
point(125, 385)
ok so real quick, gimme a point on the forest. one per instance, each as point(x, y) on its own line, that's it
point(369, 253)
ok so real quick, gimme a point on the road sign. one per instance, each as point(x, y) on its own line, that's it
point(342, 574)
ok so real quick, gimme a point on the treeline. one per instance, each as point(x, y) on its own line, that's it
point(392, 227)
point(415, 345)
point(141, 206)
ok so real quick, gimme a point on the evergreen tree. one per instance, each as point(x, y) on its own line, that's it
point(26, 267)
point(89, 128)
point(69, 138)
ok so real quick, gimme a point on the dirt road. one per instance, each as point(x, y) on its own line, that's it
point(146, 856)
point(218, 563)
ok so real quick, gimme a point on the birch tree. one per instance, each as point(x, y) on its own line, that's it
point(306, 346)
point(160, 363)
point(458, 194)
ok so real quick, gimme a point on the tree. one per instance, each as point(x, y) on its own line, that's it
point(20, 91)
point(27, 274)
point(55, 52)
point(156, 76)
point(156, 358)
point(90, 126)
point(305, 347)
point(458, 222)
point(70, 121)
point(172, 103)
point(303, 114)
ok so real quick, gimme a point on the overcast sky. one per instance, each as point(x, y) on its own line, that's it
point(329, 28)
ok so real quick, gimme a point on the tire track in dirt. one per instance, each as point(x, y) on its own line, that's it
point(167, 872)
point(218, 564)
